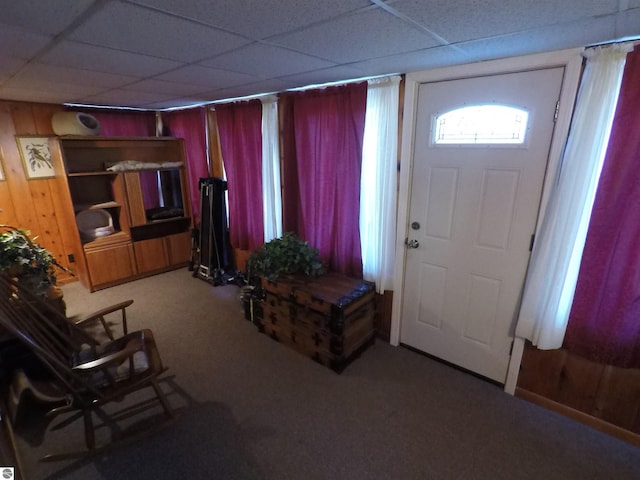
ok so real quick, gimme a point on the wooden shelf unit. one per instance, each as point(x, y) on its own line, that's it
point(139, 246)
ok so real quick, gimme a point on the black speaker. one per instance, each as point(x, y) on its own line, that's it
point(215, 252)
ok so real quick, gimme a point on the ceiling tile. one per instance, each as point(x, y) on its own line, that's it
point(210, 77)
point(258, 19)
point(333, 74)
point(18, 42)
point(27, 95)
point(379, 34)
point(144, 31)
point(628, 23)
point(576, 34)
point(44, 17)
point(264, 60)
point(57, 74)
point(463, 20)
point(413, 61)
point(129, 98)
point(90, 57)
point(44, 85)
point(171, 103)
point(45, 95)
point(267, 86)
point(9, 66)
point(169, 88)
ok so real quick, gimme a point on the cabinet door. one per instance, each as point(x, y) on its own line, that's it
point(179, 248)
point(109, 265)
point(151, 255)
point(137, 215)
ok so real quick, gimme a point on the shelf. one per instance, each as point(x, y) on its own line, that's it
point(101, 242)
point(91, 174)
point(96, 206)
point(116, 172)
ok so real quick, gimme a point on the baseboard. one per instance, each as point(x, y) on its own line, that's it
point(584, 418)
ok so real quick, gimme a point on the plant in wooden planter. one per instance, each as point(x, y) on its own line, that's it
point(29, 263)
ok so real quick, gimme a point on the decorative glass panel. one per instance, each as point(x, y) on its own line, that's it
point(481, 124)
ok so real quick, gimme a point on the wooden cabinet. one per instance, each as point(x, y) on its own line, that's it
point(151, 255)
point(109, 260)
point(157, 254)
point(142, 184)
point(179, 248)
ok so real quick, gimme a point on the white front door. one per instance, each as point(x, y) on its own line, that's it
point(472, 213)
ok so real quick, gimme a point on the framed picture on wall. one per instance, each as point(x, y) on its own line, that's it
point(36, 156)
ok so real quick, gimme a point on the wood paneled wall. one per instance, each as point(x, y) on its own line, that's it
point(602, 396)
point(40, 205)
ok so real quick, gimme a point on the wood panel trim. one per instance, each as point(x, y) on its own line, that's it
point(584, 418)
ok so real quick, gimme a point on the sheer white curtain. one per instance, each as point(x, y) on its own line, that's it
point(378, 188)
point(555, 260)
point(271, 193)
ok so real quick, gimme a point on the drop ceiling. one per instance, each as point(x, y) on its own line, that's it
point(158, 54)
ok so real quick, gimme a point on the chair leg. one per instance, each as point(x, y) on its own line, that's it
point(89, 433)
point(163, 399)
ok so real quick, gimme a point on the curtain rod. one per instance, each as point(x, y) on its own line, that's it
point(634, 40)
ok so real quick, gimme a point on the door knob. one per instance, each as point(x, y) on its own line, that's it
point(413, 243)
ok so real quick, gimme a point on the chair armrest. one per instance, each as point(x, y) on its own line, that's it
point(80, 320)
point(107, 360)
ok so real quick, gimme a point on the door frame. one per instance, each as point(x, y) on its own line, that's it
point(571, 60)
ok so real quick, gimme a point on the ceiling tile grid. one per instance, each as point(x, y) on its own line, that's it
point(458, 21)
point(118, 26)
point(107, 60)
point(360, 36)
point(263, 60)
point(44, 17)
point(258, 19)
point(165, 53)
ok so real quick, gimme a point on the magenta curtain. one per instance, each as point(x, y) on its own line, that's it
point(240, 130)
point(322, 172)
point(191, 125)
point(604, 324)
point(125, 123)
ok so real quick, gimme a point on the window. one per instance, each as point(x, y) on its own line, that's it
point(481, 124)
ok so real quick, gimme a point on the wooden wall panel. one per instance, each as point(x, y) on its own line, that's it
point(49, 232)
point(34, 205)
point(384, 305)
point(24, 210)
point(602, 396)
point(533, 364)
point(618, 397)
point(578, 383)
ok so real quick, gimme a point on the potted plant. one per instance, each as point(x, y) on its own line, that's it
point(285, 255)
point(29, 263)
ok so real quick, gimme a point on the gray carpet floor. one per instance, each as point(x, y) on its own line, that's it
point(250, 408)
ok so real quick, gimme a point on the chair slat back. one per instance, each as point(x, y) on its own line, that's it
point(46, 331)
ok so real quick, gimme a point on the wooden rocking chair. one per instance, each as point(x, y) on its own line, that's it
point(89, 374)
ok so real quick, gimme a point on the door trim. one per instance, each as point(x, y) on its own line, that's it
point(571, 60)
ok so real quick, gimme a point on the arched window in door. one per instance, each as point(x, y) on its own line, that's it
point(481, 124)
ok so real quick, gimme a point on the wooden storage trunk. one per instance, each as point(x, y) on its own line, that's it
point(329, 318)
